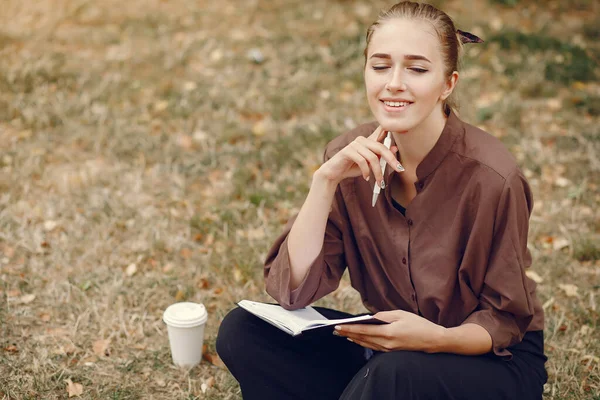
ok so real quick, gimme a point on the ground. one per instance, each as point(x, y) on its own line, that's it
point(151, 151)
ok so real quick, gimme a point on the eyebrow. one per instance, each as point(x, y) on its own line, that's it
point(411, 57)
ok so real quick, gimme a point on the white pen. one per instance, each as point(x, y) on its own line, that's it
point(387, 143)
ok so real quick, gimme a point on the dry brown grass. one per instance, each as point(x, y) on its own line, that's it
point(141, 133)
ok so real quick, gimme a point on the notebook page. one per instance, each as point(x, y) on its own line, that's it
point(296, 318)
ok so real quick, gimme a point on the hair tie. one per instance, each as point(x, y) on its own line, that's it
point(467, 37)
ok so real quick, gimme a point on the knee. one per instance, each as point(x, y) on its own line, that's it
point(404, 366)
point(231, 336)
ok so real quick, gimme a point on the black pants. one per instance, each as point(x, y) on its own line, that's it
point(270, 364)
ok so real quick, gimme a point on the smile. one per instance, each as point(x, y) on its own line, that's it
point(396, 105)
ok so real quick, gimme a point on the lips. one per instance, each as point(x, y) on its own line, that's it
point(396, 105)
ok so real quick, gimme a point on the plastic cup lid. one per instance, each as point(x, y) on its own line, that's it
point(185, 315)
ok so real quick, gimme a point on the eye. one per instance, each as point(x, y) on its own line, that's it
point(418, 70)
point(380, 67)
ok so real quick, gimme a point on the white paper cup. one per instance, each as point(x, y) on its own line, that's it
point(185, 324)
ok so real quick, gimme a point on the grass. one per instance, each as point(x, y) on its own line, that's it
point(142, 133)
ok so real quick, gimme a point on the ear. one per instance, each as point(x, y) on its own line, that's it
point(449, 86)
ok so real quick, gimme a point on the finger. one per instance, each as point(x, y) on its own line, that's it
point(383, 341)
point(368, 344)
point(389, 316)
point(371, 158)
point(351, 153)
point(359, 329)
point(378, 134)
point(382, 151)
point(396, 152)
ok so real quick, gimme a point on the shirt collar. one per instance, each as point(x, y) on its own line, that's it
point(452, 130)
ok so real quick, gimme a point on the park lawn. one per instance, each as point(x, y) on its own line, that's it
point(151, 151)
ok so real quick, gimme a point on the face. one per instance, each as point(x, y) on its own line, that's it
point(404, 75)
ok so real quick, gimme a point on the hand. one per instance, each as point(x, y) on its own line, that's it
point(405, 331)
point(360, 157)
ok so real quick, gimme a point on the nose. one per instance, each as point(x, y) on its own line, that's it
point(396, 81)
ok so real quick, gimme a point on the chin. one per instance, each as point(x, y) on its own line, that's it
point(393, 125)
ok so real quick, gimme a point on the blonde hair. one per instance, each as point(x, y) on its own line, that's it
point(450, 43)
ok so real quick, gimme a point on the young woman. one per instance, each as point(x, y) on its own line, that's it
point(441, 255)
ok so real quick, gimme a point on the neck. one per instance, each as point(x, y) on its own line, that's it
point(415, 144)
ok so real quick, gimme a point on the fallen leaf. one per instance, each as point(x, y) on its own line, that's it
point(210, 382)
point(161, 105)
point(68, 348)
point(189, 86)
point(213, 359)
point(207, 384)
point(560, 243)
point(586, 330)
point(131, 269)
point(185, 253)
point(562, 182)
point(57, 332)
point(50, 225)
point(198, 237)
point(534, 276)
point(9, 252)
point(168, 267)
point(569, 289)
point(591, 358)
point(74, 389)
point(216, 55)
point(237, 275)
point(259, 129)
point(255, 55)
point(185, 141)
point(218, 290)
point(554, 104)
point(199, 136)
point(89, 361)
point(24, 134)
point(45, 317)
point(11, 348)
point(101, 347)
point(202, 283)
point(13, 293)
point(26, 299)
point(160, 382)
point(258, 233)
point(180, 295)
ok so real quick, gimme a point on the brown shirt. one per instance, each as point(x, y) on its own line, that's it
point(458, 256)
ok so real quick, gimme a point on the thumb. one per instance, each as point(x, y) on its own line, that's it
point(378, 134)
point(388, 316)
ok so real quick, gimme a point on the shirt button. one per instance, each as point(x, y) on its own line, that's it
point(403, 260)
point(410, 222)
point(420, 185)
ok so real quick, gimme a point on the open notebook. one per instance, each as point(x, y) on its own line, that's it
point(298, 321)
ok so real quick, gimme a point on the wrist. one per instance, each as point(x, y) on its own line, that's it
point(323, 178)
point(441, 338)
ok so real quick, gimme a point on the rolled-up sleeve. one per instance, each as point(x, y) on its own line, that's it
point(506, 307)
point(324, 274)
